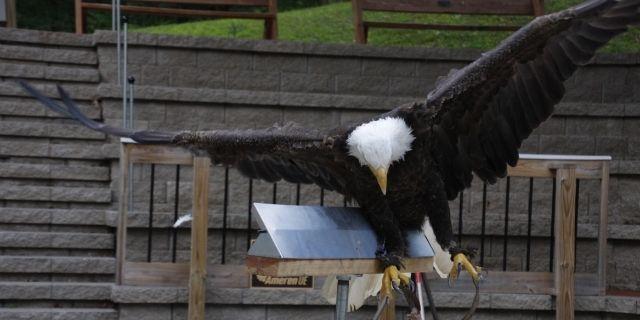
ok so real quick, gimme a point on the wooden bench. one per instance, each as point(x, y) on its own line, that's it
point(465, 7)
point(150, 7)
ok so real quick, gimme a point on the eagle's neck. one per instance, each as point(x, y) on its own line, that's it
point(379, 143)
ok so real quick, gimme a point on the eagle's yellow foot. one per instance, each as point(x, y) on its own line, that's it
point(460, 261)
point(393, 279)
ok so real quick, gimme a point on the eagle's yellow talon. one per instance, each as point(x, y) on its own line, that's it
point(460, 261)
point(392, 278)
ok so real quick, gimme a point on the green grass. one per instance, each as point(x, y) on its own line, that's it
point(332, 24)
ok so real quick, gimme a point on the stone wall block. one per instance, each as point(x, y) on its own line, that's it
point(72, 74)
point(83, 265)
point(176, 57)
point(333, 65)
point(197, 78)
point(309, 313)
point(21, 52)
point(155, 75)
point(253, 80)
point(585, 85)
point(612, 146)
point(386, 67)
point(318, 119)
point(431, 70)
point(80, 291)
point(193, 117)
point(409, 87)
point(144, 312)
point(282, 63)
point(22, 70)
point(72, 56)
point(622, 84)
point(141, 55)
point(567, 144)
point(302, 82)
point(23, 291)
point(347, 84)
point(224, 60)
point(594, 127)
point(243, 117)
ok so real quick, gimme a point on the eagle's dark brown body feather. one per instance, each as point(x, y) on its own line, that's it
point(473, 122)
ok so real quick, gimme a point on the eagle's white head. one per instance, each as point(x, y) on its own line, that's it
point(379, 143)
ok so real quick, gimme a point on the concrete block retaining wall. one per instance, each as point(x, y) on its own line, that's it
point(59, 182)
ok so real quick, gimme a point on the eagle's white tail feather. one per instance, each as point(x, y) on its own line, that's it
point(361, 288)
point(442, 259)
point(184, 219)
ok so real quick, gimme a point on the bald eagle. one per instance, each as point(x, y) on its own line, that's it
point(402, 167)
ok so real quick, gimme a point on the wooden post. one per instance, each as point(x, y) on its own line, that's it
point(538, 7)
point(12, 17)
point(271, 24)
point(79, 17)
point(389, 312)
point(602, 232)
point(198, 270)
point(564, 244)
point(358, 27)
point(121, 232)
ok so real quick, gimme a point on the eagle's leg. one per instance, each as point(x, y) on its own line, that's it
point(392, 248)
point(460, 258)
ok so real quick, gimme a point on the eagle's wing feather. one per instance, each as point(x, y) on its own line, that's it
point(287, 152)
point(483, 112)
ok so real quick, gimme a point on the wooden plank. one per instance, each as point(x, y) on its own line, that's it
point(564, 261)
point(493, 7)
point(389, 311)
point(602, 232)
point(257, 3)
point(198, 267)
point(587, 169)
point(517, 283)
point(121, 231)
point(180, 12)
point(160, 154)
point(425, 26)
point(228, 276)
point(177, 274)
point(156, 273)
point(293, 267)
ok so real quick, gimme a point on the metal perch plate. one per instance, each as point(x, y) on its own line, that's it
point(314, 240)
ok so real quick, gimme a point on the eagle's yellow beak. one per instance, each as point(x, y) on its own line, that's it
point(381, 176)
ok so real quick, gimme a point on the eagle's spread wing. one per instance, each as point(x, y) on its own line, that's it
point(483, 112)
point(288, 152)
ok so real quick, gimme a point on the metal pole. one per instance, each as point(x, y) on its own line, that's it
point(113, 15)
point(131, 81)
point(342, 297)
point(123, 75)
point(118, 43)
point(127, 105)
